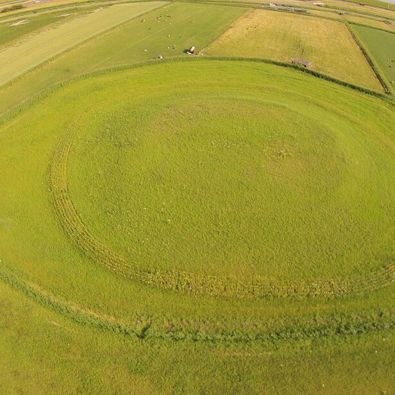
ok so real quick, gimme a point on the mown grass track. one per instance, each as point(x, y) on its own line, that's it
point(219, 330)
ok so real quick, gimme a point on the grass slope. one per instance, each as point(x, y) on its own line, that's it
point(327, 44)
point(381, 47)
point(35, 50)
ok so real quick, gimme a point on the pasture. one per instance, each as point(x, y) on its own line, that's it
point(167, 31)
point(15, 29)
point(175, 224)
point(381, 46)
point(38, 49)
point(261, 34)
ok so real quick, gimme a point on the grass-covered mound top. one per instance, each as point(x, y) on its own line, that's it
point(225, 169)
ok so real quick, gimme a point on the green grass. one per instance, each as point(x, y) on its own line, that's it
point(327, 44)
point(381, 47)
point(375, 3)
point(28, 216)
point(195, 225)
point(136, 41)
point(35, 50)
point(44, 352)
point(10, 31)
point(241, 176)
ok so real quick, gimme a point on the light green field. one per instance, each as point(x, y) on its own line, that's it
point(381, 47)
point(233, 176)
point(167, 31)
point(35, 50)
point(328, 45)
point(165, 332)
point(16, 28)
point(13, 30)
point(192, 225)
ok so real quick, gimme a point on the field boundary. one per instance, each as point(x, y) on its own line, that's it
point(260, 6)
point(26, 103)
point(371, 27)
point(203, 330)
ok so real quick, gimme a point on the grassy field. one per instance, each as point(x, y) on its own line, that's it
point(261, 34)
point(61, 38)
point(386, 10)
point(192, 225)
point(138, 40)
point(379, 24)
point(240, 99)
point(17, 28)
point(301, 163)
point(381, 47)
point(12, 30)
point(366, 241)
point(77, 359)
point(367, 20)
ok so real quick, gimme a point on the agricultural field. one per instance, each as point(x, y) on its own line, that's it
point(165, 32)
point(50, 43)
point(371, 22)
point(205, 223)
point(12, 29)
point(381, 47)
point(261, 34)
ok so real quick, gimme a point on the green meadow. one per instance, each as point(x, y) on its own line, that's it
point(15, 29)
point(381, 46)
point(200, 224)
point(37, 49)
point(167, 31)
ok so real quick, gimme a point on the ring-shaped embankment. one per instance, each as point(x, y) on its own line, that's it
point(226, 179)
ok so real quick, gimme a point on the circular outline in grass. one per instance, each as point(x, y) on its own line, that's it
point(185, 281)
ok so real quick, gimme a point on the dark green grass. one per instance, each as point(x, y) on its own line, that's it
point(381, 47)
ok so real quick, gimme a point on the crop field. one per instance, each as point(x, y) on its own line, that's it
point(381, 46)
point(194, 224)
point(261, 34)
